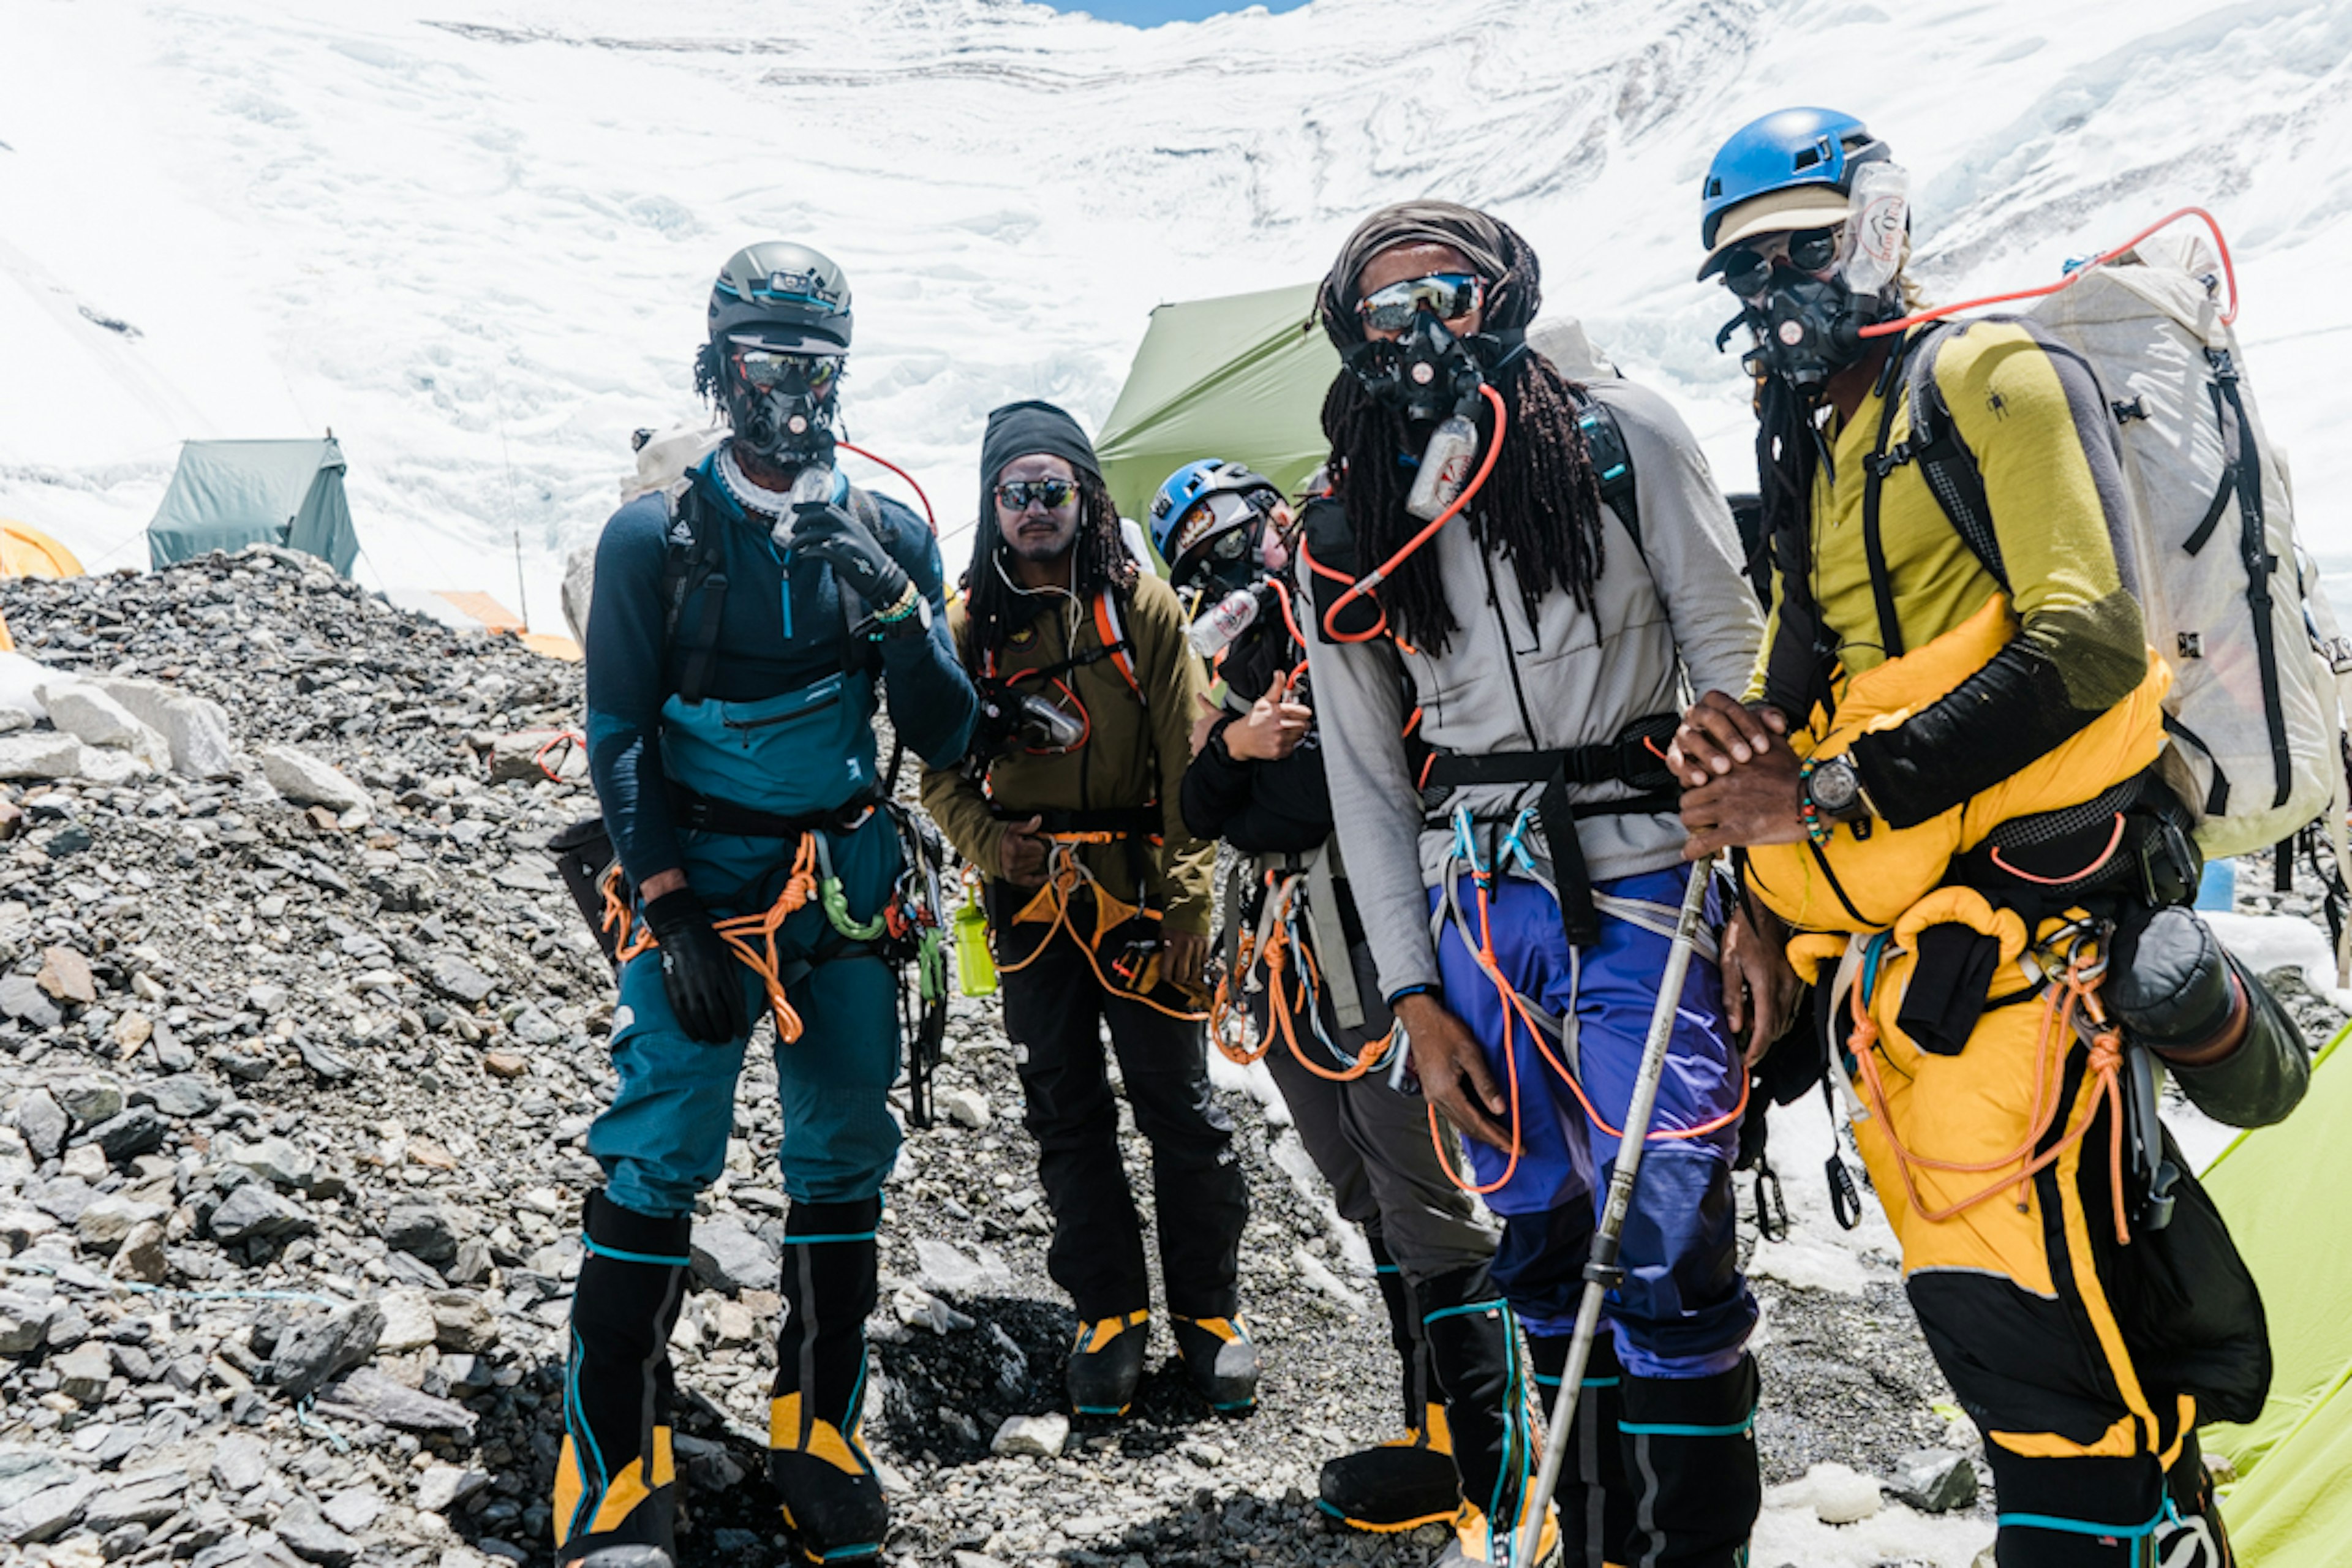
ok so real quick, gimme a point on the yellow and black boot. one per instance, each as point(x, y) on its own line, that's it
point(615, 1500)
point(1106, 1363)
point(1474, 1350)
point(1221, 1360)
point(1596, 1506)
point(1689, 1448)
point(1410, 1480)
point(831, 1495)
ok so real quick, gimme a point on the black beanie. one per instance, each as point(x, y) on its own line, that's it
point(1017, 430)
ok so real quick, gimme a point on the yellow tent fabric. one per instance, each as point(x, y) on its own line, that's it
point(26, 552)
point(1241, 378)
point(2286, 1191)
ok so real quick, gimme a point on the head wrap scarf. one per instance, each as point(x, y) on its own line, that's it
point(1514, 279)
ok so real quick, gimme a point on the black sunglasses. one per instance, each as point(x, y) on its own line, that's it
point(1016, 494)
point(1748, 268)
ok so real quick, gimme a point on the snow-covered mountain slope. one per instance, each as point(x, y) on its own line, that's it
point(475, 236)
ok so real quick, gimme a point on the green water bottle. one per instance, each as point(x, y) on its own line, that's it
point(975, 969)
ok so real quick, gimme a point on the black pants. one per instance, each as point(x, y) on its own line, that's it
point(1054, 1009)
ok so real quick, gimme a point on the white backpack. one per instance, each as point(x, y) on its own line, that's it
point(2208, 549)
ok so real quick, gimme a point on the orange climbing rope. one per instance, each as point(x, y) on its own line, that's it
point(2077, 989)
point(752, 938)
point(1065, 876)
point(1284, 1008)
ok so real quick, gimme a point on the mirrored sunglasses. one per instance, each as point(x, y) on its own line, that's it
point(763, 370)
point(1448, 296)
point(1015, 495)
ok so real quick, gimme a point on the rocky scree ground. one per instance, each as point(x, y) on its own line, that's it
point(297, 1063)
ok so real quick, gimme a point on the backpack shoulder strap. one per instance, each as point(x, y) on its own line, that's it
point(1113, 633)
point(688, 567)
point(1612, 460)
point(1944, 458)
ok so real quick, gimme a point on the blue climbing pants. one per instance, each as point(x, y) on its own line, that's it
point(663, 1139)
point(1685, 1309)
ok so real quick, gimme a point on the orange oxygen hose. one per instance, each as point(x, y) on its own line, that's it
point(2228, 272)
point(1365, 585)
point(929, 515)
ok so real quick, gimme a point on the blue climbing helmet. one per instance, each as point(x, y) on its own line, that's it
point(1803, 159)
point(1202, 503)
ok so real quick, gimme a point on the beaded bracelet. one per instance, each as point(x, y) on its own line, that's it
point(903, 608)
point(1817, 827)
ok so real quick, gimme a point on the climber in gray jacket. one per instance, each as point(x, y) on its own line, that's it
point(1518, 890)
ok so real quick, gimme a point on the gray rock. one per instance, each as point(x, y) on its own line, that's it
point(23, 1323)
point(25, 1474)
point(444, 1487)
point(318, 1346)
point(457, 980)
point(731, 1258)
point(1038, 1436)
point(90, 1100)
point(136, 1132)
point(278, 1161)
point(965, 1108)
point(240, 1464)
point(353, 1510)
point(184, 1095)
point(89, 715)
point(326, 1064)
point(46, 1514)
point(307, 781)
point(1935, 1480)
point(307, 1534)
point(141, 1256)
point(62, 1198)
point(254, 1212)
point(102, 1226)
point(147, 1499)
point(422, 1231)
point(196, 731)
point(23, 1000)
point(463, 1322)
point(83, 1373)
point(368, 1395)
point(40, 755)
point(408, 1322)
point(266, 999)
point(42, 1122)
point(533, 1027)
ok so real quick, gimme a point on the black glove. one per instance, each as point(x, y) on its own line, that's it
point(704, 982)
point(836, 538)
point(2168, 983)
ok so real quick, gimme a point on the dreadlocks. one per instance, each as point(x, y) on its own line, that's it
point(1541, 507)
point(1099, 560)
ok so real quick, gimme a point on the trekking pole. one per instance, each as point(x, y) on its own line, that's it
point(1601, 1274)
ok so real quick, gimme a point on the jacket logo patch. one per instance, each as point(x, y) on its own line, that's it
point(1021, 638)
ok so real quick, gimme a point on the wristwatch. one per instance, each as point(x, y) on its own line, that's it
point(1835, 788)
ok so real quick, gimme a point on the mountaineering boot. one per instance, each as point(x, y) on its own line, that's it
point(615, 1503)
point(1596, 1506)
point(1106, 1362)
point(1408, 1480)
point(1689, 1445)
point(832, 1497)
point(1223, 1361)
point(1474, 1350)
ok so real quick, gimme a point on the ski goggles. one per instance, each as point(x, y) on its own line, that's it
point(1448, 296)
point(1015, 495)
point(1747, 265)
point(766, 369)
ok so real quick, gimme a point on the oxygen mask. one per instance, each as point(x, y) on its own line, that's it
point(1425, 375)
point(782, 403)
point(1808, 295)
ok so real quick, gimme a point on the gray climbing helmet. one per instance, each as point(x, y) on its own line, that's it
point(791, 296)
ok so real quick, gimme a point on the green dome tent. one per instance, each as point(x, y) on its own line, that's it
point(2286, 1191)
point(1240, 378)
point(226, 495)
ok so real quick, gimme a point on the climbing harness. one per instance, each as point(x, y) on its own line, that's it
point(2067, 969)
point(1278, 941)
point(1134, 967)
point(1522, 1012)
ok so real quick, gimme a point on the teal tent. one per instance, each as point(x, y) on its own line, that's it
point(226, 495)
